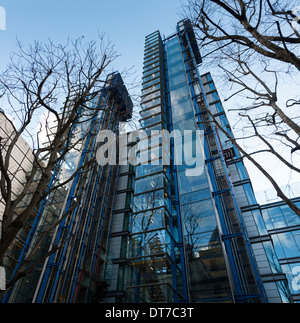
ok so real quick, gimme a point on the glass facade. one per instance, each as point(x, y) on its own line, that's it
point(153, 274)
point(283, 228)
point(81, 267)
point(187, 242)
point(186, 228)
point(207, 275)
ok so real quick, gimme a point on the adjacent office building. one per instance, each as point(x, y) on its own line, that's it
point(20, 159)
point(166, 232)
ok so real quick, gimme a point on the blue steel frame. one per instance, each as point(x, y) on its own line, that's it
point(83, 215)
point(239, 295)
point(176, 203)
point(174, 279)
point(61, 228)
point(90, 214)
point(98, 245)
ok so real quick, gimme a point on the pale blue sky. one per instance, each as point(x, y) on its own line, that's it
point(125, 22)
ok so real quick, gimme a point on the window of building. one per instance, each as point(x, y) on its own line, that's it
point(292, 271)
point(272, 257)
point(259, 222)
point(280, 217)
point(249, 194)
point(212, 86)
point(242, 171)
point(287, 244)
point(198, 217)
point(176, 69)
point(148, 183)
point(190, 184)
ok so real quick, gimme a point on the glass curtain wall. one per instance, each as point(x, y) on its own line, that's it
point(230, 239)
point(207, 274)
point(151, 276)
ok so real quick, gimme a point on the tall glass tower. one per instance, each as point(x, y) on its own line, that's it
point(187, 242)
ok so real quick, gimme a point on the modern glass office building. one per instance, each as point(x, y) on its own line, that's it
point(193, 237)
point(182, 225)
point(187, 242)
